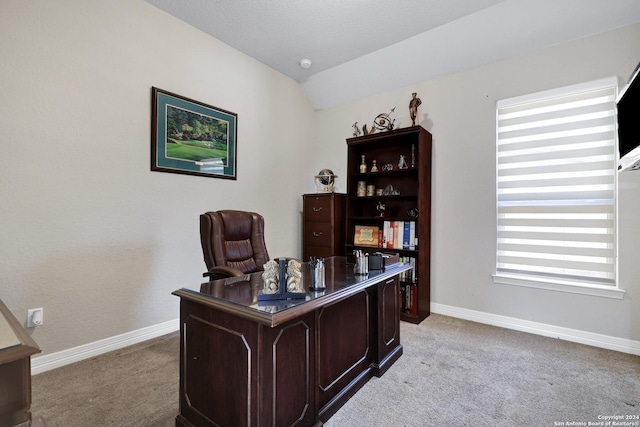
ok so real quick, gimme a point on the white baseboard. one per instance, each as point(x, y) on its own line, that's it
point(65, 357)
point(573, 335)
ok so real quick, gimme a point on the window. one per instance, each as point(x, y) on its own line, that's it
point(556, 189)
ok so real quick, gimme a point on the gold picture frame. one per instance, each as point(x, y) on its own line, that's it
point(366, 235)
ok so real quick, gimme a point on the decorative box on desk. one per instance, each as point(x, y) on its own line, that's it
point(393, 194)
point(323, 225)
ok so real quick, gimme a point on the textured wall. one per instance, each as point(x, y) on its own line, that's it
point(459, 110)
point(99, 241)
point(86, 230)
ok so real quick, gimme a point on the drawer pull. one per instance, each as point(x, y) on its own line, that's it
point(317, 209)
point(317, 234)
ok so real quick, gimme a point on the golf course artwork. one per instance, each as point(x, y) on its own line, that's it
point(190, 137)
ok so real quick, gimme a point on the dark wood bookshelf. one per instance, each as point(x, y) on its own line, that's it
point(414, 187)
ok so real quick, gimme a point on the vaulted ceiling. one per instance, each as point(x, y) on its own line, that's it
point(361, 47)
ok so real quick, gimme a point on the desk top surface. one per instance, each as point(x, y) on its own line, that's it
point(240, 294)
point(8, 338)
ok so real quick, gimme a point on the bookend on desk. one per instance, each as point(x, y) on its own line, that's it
point(281, 293)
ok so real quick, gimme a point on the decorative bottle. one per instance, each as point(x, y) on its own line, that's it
point(363, 165)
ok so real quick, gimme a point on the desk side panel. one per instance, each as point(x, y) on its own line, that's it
point(343, 350)
point(219, 366)
point(287, 372)
point(388, 348)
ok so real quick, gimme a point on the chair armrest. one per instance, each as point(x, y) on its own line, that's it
point(221, 272)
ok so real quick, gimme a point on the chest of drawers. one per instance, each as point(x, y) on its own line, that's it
point(323, 225)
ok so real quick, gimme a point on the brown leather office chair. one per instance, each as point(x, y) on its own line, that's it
point(232, 243)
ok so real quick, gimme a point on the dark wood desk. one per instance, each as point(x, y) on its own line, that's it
point(16, 348)
point(293, 362)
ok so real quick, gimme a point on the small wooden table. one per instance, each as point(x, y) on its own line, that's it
point(289, 362)
point(16, 348)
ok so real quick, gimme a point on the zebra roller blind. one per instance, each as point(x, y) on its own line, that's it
point(556, 185)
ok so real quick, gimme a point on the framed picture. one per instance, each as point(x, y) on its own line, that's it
point(191, 137)
point(366, 235)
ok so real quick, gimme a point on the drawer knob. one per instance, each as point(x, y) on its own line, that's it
point(317, 209)
point(317, 233)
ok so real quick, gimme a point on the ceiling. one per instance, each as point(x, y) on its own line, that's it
point(362, 47)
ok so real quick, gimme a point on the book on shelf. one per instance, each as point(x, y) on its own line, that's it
point(409, 299)
point(398, 231)
point(413, 307)
point(399, 235)
point(412, 235)
point(410, 276)
point(388, 235)
point(404, 298)
point(406, 236)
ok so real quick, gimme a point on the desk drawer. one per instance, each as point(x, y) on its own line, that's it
point(317, 208)
point(318, 234)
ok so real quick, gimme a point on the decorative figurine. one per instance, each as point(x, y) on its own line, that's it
point(356, 129)
point(413, 107)
point(402, 164)
point(281, 282)
point(374, 168)
point(371, 190)
point(383, 120)
point(363, 165)
point(270, 277)
point(412, 213)
point(390, 191)
point(387, 167)
point(366, 131)
point(381, 208)
point(294, 276)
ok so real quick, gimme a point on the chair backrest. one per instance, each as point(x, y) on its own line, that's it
point(233, 239)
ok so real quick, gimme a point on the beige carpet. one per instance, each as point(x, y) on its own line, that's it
point(459, 373)
point(133, 386)
point(452, 373)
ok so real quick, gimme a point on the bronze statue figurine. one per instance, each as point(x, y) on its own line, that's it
point(413, 107)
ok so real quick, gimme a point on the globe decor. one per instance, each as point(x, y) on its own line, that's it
point(325, 181)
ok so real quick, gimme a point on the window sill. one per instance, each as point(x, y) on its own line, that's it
point(552, 285)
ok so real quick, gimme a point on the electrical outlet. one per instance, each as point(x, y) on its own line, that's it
point(35, 317)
